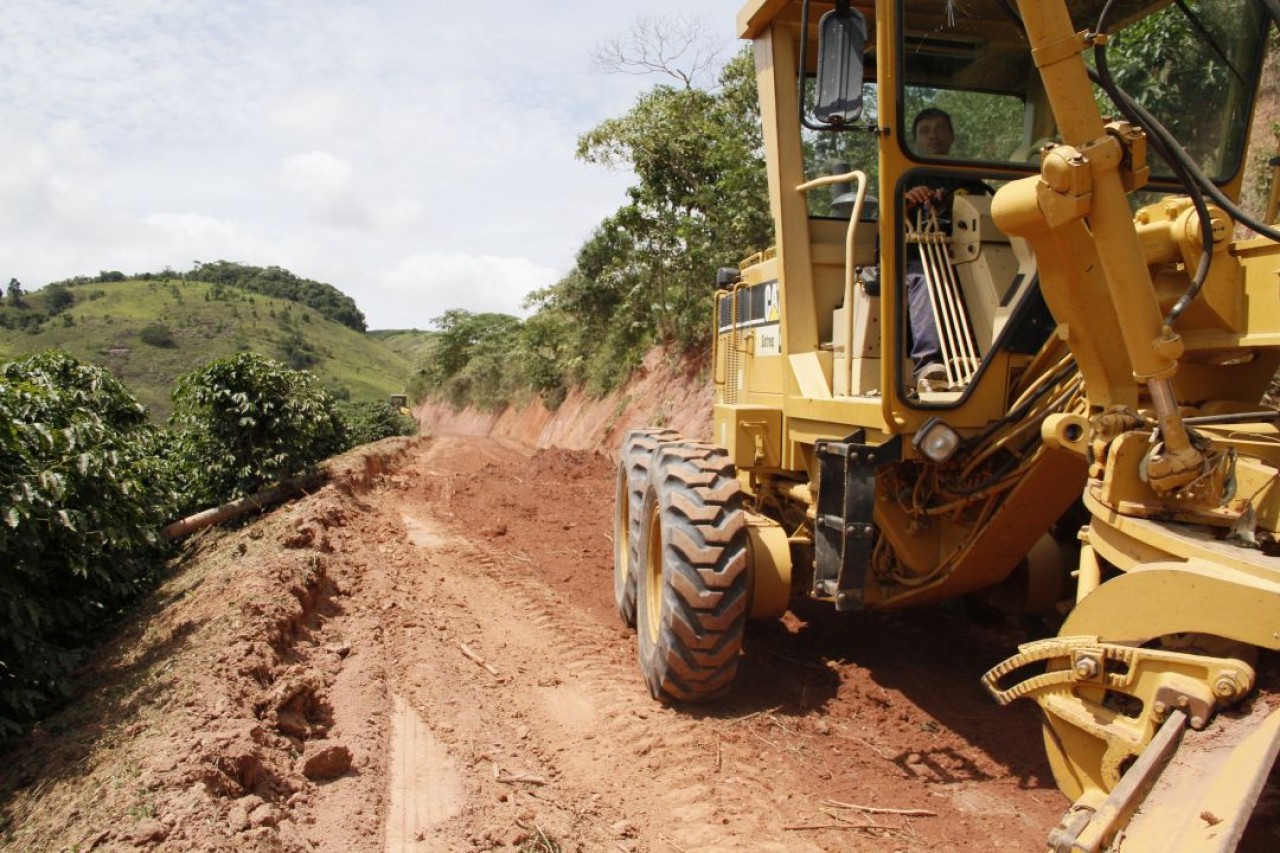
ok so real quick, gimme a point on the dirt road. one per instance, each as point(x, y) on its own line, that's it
point(425, 657)
point(512, 563)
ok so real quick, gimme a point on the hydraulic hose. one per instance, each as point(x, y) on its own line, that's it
point(1172, 149)
point(1187, 173)
point(1104, 79)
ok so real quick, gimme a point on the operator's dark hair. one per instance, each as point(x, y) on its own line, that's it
point(932, 112)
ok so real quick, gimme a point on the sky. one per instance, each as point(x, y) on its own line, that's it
point(418, 155)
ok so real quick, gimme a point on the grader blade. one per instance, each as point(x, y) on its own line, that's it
point(1203, 799)
point(1189, 791)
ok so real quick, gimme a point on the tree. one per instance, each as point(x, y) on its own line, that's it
point(471, 361)
point(58, 298)
point(676, 46)
point(700, 202)
point(16, 293)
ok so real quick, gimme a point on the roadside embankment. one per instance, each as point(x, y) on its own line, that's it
point(666, 391)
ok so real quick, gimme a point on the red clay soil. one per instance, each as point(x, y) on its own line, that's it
point(666, 390)
point(424, 656)
point(431, 638)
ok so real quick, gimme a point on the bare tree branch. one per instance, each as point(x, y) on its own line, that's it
point(677, 46)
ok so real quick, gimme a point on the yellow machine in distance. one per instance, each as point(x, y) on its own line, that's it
point(1007, 343)
point(399, 402)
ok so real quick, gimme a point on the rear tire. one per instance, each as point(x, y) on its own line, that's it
point(692, 589)
point(632, 478)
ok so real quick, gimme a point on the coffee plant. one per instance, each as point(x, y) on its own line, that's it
point(371, 421)
point(83, 493)
point(246, 422)
point(86, 484)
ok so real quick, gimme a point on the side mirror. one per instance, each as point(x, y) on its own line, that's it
point(842, 39)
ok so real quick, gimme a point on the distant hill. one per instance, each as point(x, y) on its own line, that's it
point(323, 298)
point(410, 343)
point(149, 332)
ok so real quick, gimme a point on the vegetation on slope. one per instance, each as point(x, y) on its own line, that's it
point(149, 331)
point(325, 299)
point(86, 483)
point(413, 344)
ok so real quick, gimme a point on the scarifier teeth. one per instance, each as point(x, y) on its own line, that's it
point(1054, 648)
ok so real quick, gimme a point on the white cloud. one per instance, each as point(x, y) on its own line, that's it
point(191, 226)
point(316, 173)
point(324, 182)
point(419, 156)
point(423, 286)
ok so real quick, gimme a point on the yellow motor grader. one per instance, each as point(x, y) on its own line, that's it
point(1037, 200)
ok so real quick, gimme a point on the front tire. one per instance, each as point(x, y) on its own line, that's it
point(693, 570)
point(632, 478)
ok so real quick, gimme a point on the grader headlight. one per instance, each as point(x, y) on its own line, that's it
point(936, 441)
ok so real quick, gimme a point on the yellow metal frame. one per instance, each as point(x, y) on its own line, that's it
point(1109, 278)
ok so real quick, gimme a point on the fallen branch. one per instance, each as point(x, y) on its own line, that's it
point(746, 717)
point(234, 509)
point(803, 826)
point(479, 660)
point(510, 779)
point(879, 809)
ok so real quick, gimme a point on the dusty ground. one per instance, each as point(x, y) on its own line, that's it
point(442, 615)
point(424, 656)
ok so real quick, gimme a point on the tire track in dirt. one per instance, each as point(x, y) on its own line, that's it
point(424, 786)
point(561, 686)
point(569, 695)
point(506, 552)
point(301, 685)
point(601, 708)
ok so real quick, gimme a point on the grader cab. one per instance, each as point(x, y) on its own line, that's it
point(1009, 342)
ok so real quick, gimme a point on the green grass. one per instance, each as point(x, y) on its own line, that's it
point(410, 343)
point(106, 321)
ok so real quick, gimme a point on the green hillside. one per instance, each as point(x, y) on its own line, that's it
point(410, 343)
point(149, 332)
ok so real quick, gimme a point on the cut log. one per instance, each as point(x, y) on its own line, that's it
point(265, 498)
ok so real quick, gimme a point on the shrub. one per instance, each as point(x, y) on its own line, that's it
point(366, 422)
point(157, 335)
point(245, 422)
point(299, 354)
point(82, 497)
point(58, 298)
